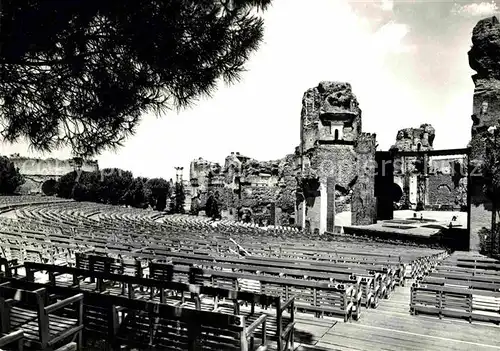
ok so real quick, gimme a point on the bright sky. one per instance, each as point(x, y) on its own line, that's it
point(406, 61)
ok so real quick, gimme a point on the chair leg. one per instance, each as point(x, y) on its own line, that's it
point(79, 342)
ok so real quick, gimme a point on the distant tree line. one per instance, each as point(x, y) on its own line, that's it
point(118, 187)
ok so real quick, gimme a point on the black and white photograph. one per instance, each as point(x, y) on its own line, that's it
point(249, 175)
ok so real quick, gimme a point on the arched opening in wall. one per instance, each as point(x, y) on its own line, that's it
point(396, 192)
point(336, 134)
point(419, 147)
point(445, 188)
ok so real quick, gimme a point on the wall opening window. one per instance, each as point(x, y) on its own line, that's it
point(336, 134)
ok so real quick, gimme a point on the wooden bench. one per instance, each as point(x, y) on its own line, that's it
point(485, 265)
point(322, 299)
point(455, 302)
point(483, 278)
point(8, 267)
point(93, 261)
point(162, 327)
point(43, 324)
point(16, 337)
point(286, 250)
point(450, 268)
point(280, 327)
point(385, 276)
point(461, 281)
point(374, 285)
point(153, 325)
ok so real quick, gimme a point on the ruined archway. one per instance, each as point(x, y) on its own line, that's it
point(396, 192)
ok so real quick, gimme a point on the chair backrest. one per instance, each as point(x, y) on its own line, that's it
point(31, 300)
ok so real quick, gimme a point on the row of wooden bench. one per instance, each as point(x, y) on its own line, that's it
point(461, 287)
point(55, 242)
point(151, 306)
point(369, 287)
point(321, 298)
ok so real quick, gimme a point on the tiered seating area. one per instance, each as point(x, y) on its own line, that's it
point(464, 285)
point(227, 226)
point(150, 281)
point(8, 203)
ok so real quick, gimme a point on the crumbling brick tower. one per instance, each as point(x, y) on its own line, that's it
point(410, 171)
point(484, 58)
point(330, 132)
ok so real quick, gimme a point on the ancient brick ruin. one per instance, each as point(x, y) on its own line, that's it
point(329, 173)
point(332, 171)
point(337, 159)
point(428, 182)
point(36, 171)
point(261, 191)
point(484, 58)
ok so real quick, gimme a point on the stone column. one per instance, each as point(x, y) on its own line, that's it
point(330, 215)
point(324, 208)
point(483, 58)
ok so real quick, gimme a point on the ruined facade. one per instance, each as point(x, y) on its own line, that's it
point(447, 183)
point(329, 173)
point(263, 192)
point(36, 171)
point(484, 58)
point(428, 182)
point(409, 172)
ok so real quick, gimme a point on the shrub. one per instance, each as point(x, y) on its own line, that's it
point(159, 190)
point(49, 187)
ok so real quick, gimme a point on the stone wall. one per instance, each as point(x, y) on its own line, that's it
point(245, 184)
point(295, 188)
point(36, 171)
point(443, 191)
point(200, 172)
point(49, 167)
point(328, 107)
point(484, 58)
point(415, 139)
point(334, 162)
point(364, 211)
point(335, 153)
point(432, 182)
point(447, 183)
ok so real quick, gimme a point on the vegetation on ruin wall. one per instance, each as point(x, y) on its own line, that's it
point(486, 240)
point(491, 176)
point(180, 198)
point(116, 187)
point(81, 73)
point(10, 178)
